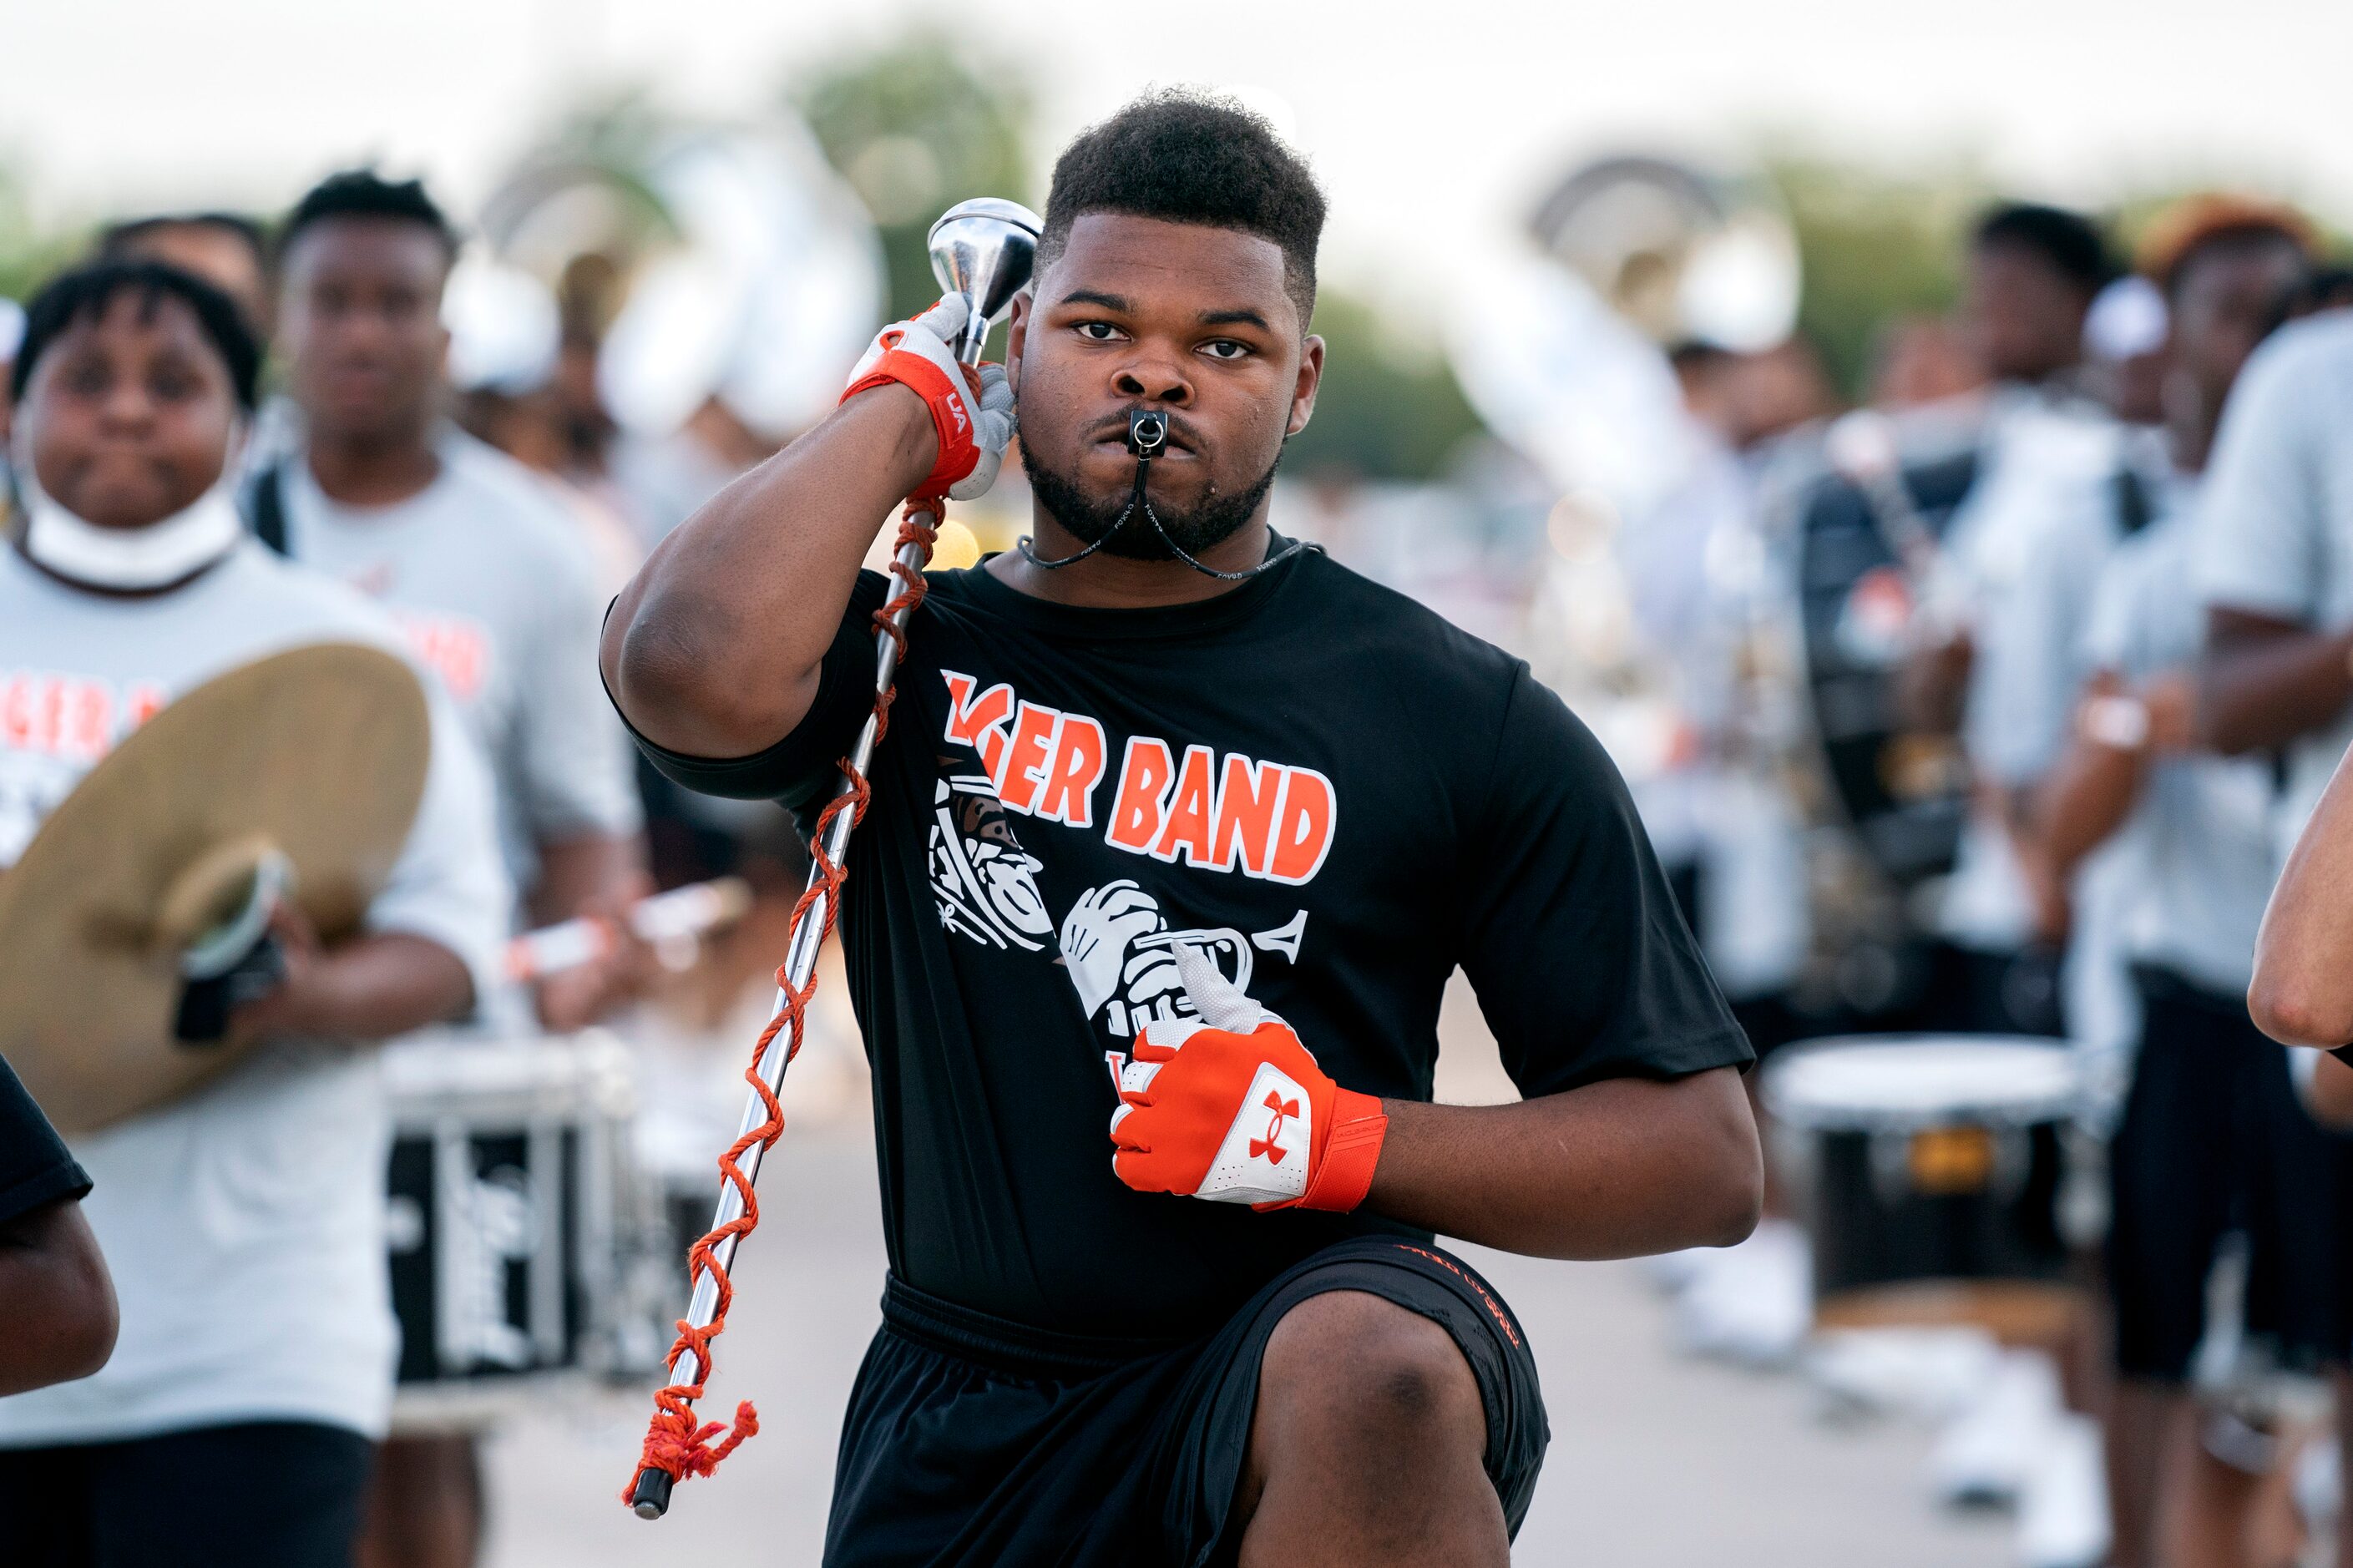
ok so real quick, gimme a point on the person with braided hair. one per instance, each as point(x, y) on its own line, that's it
point(1178, 831)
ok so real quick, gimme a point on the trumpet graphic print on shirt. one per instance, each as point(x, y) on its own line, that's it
point(1122, 955)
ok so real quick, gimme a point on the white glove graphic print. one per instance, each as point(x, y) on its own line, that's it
point(1099, 933)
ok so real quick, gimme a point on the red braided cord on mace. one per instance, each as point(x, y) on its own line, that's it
point(675, 1443)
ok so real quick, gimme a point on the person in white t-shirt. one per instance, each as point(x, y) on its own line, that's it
point(2210, 1139)
point(244, 1222)
point(2006, 676)
point(493, 584)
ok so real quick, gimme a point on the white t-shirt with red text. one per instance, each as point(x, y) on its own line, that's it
point(244, 1222)
point(493, 585)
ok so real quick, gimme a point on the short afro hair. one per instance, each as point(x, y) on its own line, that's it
point(2068, 243)
point(1191, 158)
point(84, 293)
point(364, 192)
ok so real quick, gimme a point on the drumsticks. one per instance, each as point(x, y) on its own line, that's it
point(666, 922)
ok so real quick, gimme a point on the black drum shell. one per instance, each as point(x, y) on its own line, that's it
point(1873, 1223)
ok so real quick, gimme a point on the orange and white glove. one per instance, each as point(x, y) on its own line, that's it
point(972, 409)
point(1229, 1106)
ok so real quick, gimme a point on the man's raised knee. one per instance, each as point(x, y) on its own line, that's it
point(1384, 1367)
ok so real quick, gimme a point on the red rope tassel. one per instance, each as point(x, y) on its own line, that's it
point(675, 1443)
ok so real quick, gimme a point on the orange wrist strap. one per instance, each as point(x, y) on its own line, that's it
point(1345, 1174)
point(944, 401)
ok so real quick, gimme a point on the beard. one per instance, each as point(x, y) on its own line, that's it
point(1195, 530)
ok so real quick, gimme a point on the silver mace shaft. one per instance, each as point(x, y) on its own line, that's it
point(983, 249)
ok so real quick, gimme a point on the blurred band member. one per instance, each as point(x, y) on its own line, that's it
point(244, 1222)
point(225, 249)
point(2274, 566)
point(2033, 274)
point(2211, 1140)
point(1719, 816)
point(230, 252)
point(492, 583)
point(2008, 677)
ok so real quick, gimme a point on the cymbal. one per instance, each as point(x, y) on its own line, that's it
point(318, 754)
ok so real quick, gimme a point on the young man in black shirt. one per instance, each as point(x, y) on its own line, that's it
point(1232, 827)
point(56, 1296)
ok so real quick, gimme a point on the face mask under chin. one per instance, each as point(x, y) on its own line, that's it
point(166, 552)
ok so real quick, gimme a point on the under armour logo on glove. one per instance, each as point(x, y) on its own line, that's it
point(1229, 1106)
point(1266, 1147)
point(915, 354)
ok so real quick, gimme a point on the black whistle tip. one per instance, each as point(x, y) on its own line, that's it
point(649, 1498)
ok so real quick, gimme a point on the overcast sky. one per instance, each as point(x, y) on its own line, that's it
point(1432, 125)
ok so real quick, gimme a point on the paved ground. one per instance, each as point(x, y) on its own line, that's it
point(1656, 1462)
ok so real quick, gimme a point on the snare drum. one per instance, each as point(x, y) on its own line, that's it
point(506, 1206)
point(1928, 1170)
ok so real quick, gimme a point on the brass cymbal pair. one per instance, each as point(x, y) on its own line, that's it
point(317, 755)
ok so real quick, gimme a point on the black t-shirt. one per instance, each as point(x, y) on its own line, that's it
point(35, 1168)
point(1330, 788)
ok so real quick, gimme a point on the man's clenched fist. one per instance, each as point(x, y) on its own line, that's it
point(972, 410)
point(1229, 1106)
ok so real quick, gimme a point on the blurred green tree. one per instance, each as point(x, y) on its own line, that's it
point(915, 128)
point(1390, 408)
point(1875, 245)
point(29, 252)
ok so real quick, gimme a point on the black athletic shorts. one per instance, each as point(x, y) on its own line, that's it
point(2214, 1141)
point(267, 1494)
point(973, 1440)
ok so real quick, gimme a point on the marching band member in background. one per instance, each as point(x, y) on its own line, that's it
point(244, 1221)
point(225, 249)
point(2210, 1139)
point(230, 252)
point(2274, 565)
point(485, 574)
point(492, 583)
point(56, 1295)
point(2006, 674)
point(1698, 579)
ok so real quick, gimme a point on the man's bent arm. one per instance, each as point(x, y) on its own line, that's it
point(2302, 991)
point(2265, 681)
point(1616, 1169)
point(714, 647)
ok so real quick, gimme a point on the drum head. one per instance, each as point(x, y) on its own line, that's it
point(441, 1074)
point(1892, 1082)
